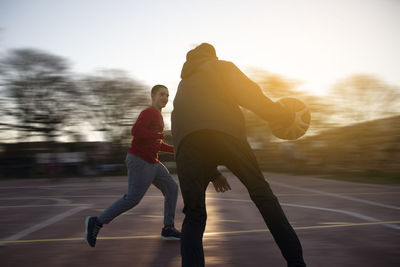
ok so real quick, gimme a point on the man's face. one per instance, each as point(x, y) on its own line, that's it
point(160, 99)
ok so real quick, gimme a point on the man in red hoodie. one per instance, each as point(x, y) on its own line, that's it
point(144, 169)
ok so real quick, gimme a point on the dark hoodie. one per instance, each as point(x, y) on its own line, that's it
point(209, 96)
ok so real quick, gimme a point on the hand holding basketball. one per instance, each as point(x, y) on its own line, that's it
point(300, 124)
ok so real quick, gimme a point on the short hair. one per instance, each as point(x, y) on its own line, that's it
point(157, 88)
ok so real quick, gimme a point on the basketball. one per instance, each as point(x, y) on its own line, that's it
point(301, 123)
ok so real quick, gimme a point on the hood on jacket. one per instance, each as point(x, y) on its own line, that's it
point(196, 57)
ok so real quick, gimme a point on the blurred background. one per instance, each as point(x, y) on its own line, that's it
point(74, 76)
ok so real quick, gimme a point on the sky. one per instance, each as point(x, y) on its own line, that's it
point(314, 41)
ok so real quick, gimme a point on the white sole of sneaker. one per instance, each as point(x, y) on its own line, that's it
point(86, 227)
point(169, 238)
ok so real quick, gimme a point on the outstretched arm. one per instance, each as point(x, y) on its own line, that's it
point(166, 148)
point(250, 96)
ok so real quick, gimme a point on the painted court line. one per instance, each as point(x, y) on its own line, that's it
point(42, 225)
point(343, 193)
point(338, 196)
point(58, 200)
point(44, 205)
point(350, 213)
point(73, 185)
point(210, 234)
point(303, 228)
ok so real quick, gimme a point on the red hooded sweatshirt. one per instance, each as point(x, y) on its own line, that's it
point(147, 135)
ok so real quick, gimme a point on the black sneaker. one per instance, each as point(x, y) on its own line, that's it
point(92, 230)
point(170, 233)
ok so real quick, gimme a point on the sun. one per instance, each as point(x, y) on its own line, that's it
point(318, 87)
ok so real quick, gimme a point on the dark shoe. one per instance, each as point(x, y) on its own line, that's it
point(170, 233)
point(92, 230)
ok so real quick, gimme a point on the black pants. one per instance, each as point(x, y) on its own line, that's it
point(198, 155)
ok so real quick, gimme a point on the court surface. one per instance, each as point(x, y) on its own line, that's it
point(339, 224)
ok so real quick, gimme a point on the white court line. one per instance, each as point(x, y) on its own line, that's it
point(353, 214)
point(350, 213)
point(341, 182)
point(44, 224)
point(87, 185)
point(338, 196)
point(44, 205)
point(77, 209)
point(58, 200)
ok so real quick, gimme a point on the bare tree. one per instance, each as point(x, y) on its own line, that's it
point(364, 97)
point(40, 91)
point(276, 86)
point(113, 102)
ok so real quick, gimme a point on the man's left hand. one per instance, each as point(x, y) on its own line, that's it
point(221, 184)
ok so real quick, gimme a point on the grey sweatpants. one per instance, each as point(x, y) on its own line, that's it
point(141, 174)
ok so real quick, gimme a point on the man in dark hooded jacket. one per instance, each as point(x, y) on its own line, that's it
point(208, 130)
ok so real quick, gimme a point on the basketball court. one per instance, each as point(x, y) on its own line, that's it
point(339, 224)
